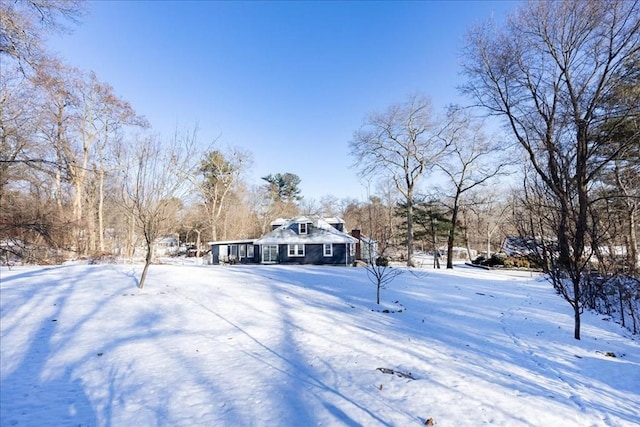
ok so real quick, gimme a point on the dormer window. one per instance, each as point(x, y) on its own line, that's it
point(302, 228)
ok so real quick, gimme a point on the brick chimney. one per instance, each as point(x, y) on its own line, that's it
point(356, 234)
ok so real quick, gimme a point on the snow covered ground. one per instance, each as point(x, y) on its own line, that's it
point(301, 346)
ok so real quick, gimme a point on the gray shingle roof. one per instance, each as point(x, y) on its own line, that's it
point(320, 231)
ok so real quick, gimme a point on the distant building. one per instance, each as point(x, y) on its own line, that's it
point(166, 246)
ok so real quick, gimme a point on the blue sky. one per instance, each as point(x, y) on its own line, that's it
point(287, 81)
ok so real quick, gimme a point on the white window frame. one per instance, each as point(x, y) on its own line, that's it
point(329, 252)
point(250, 253)
point(296, 250)
point(303, 228)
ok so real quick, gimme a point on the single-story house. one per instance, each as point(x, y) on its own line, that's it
point(166, 246)
point(523, 246)
point(300, 240)
point(234, 251)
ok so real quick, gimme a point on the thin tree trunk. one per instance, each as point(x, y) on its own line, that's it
point(101, 210)
point(466, 243)
point(488, 242)
point(147, 263)
point(576, 313)
point(410, 228)
point(434, 244)
point(147, 260)
point(452, 231)
point(632, 249)
point(131, 243)
point(197, 243)
point(621, 300)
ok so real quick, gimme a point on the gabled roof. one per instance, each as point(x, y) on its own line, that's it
point(320, 232)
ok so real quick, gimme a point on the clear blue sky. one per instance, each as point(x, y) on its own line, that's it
point(288, 81)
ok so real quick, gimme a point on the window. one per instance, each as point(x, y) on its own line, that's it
point(327, 249)
point(302, 228)
point(296, 250)
point(233, 253)
point(243, 251)
point(250, 251)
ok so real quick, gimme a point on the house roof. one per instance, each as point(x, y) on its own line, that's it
point(320, 232)
point(519, 246)
point(278, 222)
point(232, 242)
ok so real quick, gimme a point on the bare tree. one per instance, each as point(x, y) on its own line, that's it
point(240, 219)
point(111, 118)
point(154, 180)
point(78, 116)
point(471, 161)
point(620, 181)
point(25, 23)
point(401, 145)
point(17, 126)
point(381, 273)
point(380, 231)
point(220, 173)
point(59, 126)
point(548, 74)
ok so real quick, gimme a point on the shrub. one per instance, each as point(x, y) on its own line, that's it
point(382, 261)
point(479, 260)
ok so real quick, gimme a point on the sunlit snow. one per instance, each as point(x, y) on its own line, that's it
point(301, 346)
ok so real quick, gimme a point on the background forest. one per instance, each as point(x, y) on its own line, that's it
point(546, 153)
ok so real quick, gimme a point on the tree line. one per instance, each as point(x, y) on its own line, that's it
point(83, 174)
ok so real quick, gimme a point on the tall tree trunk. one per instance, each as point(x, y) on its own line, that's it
point(582, 225)
point(466, 235)
point(632, 249)
point(488, 242)
point(410, 227)
point(131, 242)
point(60, 167)
point(90, 220)
point(197, 243)
point(101, 209)
point(452, 231)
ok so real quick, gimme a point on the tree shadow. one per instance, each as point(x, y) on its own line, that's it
point(42, 355)
point(269, 349)
point(32, 391)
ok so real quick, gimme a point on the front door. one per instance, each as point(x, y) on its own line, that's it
point(270, 254)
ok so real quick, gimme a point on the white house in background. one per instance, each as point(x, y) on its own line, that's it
point(166, 246)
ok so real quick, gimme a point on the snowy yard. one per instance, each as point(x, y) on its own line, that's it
point(301, 346)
